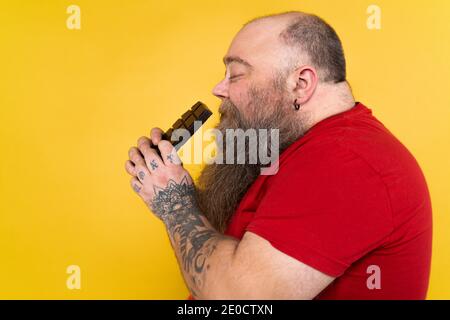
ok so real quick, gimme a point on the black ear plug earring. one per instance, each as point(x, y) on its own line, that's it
point(296, 105)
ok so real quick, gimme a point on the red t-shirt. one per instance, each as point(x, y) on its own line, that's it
point(348, 196)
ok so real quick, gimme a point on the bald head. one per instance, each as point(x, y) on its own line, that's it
point(306, 38)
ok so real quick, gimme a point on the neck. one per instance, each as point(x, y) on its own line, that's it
point(328, 100)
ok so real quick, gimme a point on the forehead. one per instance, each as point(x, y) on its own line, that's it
point(257, 45)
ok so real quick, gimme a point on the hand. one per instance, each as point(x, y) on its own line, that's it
point(161, 181)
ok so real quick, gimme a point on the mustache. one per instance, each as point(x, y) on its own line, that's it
point(228, 109)
point(227, 106)
point(230, 117)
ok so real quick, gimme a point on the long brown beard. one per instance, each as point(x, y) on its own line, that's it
point(220, 187)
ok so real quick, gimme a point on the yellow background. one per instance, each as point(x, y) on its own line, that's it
point(73, 101)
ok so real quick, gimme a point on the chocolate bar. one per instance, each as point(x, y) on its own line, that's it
point(198, 112)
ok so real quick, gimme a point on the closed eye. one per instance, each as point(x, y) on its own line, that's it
point(235, 76)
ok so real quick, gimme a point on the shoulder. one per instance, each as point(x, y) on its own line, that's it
point(324, 156)
point(327, 174)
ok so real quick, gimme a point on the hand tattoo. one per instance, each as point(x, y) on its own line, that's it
point(176, 206)
point(153, 164)
point(141, 175)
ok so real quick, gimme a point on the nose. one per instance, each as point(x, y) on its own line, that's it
point(221, 89)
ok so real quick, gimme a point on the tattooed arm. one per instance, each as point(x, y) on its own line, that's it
point(193, 239)
point(168, 190)
point(213, 265)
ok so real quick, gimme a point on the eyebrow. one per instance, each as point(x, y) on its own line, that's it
point(229, 59)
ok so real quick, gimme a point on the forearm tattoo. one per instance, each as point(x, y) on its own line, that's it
point(176, 206)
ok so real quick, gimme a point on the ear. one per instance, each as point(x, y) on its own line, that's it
point(306, 82)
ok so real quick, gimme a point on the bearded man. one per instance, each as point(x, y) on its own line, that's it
point(347, 215)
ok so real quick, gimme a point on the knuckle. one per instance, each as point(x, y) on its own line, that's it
point(160, 180)
point(154, 168)
point(134, 152)
point(135, 158)
point(139, 168)
point(177, 171)
point(150, 154)
point(141, 174)
point(176, 161)
point(142, 140)
point(130, 170)
point(164, 144)
point(147, 190)
point(143, 149)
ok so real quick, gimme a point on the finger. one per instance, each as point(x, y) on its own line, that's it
point(136, 156)
point(155, 135)
point(130, 168)
point(152, 159)
point(142, 172)
point(136, 185)
point(168, 153)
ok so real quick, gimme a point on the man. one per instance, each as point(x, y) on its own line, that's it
point(348, 214)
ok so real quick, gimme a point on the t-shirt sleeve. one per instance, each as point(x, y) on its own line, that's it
point(326, 207)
